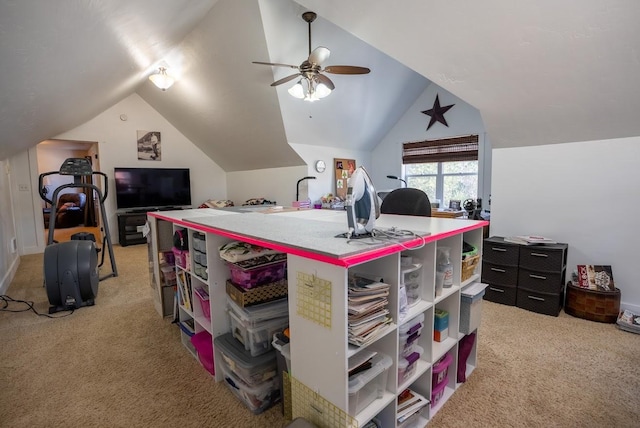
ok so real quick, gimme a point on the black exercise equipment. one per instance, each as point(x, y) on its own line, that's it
point(71, 268)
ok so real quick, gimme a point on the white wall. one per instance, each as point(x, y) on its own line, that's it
point(9, 259)
point(279, 184)
point(117, 148)
point(27, 205)
point(274, 184)
point(584, 194)
point(462, 118)
point(325, 181)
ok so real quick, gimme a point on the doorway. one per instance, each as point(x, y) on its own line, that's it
point(78, 209)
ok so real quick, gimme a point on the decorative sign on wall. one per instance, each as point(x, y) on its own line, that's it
point(437, 113)
point(343, 168)
point(149, 145)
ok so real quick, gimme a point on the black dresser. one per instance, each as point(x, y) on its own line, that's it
point(531, 277)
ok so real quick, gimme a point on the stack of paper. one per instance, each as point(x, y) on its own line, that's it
point(529, 240)
point(629, 321)
point(409, 402)
point(368, 309)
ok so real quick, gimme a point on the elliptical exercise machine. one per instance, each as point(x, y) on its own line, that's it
point(71, 270)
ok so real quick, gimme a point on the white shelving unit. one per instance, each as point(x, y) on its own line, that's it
point(318, 267)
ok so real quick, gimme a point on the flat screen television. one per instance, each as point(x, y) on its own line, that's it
point(150, 188)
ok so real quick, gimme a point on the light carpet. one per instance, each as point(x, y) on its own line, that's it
point(118, 364)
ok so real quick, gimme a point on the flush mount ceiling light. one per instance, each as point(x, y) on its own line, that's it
point(161, 79)
point(313, 84)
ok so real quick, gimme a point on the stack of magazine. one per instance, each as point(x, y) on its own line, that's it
point(529, 240)
point(629, 321)
point(368, 309)
point(409, 403)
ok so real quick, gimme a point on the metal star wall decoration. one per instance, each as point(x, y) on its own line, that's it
point(437, 113)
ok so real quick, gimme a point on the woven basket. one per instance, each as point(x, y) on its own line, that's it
point(593, 305)
point(468, 267)
point(252, 296)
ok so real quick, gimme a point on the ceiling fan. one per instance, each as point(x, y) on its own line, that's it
point(313, 84)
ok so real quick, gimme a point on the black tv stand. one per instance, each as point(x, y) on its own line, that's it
point(130, 225)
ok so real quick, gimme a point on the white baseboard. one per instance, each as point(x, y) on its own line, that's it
point(633, 308)
point(8, 277)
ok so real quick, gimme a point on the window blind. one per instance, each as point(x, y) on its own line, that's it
point(452, 149)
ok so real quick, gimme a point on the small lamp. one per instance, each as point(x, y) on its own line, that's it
point(161, 79)
point(393, 177)
point(309, 177)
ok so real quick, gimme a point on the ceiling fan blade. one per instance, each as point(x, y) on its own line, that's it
point(285, 79)
point(275, 64)
point(319, 55)
point(346, 69)
point(326, 81)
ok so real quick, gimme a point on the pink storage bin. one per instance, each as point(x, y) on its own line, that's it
point(441, 370)
point(181, 257)
point(203, 297)
point(203, 342)
point(260, 275)
point(169, 257)
point(438, 391)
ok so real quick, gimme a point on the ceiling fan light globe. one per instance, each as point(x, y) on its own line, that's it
point(297, 90)
point(322, 90)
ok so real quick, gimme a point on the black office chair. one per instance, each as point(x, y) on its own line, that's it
point(406, 201)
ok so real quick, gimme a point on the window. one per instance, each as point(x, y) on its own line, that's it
point(445, 169)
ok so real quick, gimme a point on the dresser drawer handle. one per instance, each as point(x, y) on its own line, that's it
point(499, 249)
point(536, 298)
point(538, 277)
point(539, 255)
point(496, 289)
point(498, 270)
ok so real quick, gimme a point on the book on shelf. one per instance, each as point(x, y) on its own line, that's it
point(529, 240)
point(184, 289)
point(596, 277)
point(188, 326)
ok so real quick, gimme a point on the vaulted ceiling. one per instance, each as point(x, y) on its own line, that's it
point(539, 72)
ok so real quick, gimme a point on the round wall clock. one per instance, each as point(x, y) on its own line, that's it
point(320, 166)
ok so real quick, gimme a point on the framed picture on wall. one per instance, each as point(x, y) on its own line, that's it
point(149, 145)
point(343, 170)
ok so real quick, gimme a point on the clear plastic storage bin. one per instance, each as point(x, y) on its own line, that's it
point(251, 370)
point(407, 365)
point(257, 398)
point(257, 340)
point(369, 385)
point(259, 275)
point(252, 316)
point(412, 280)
